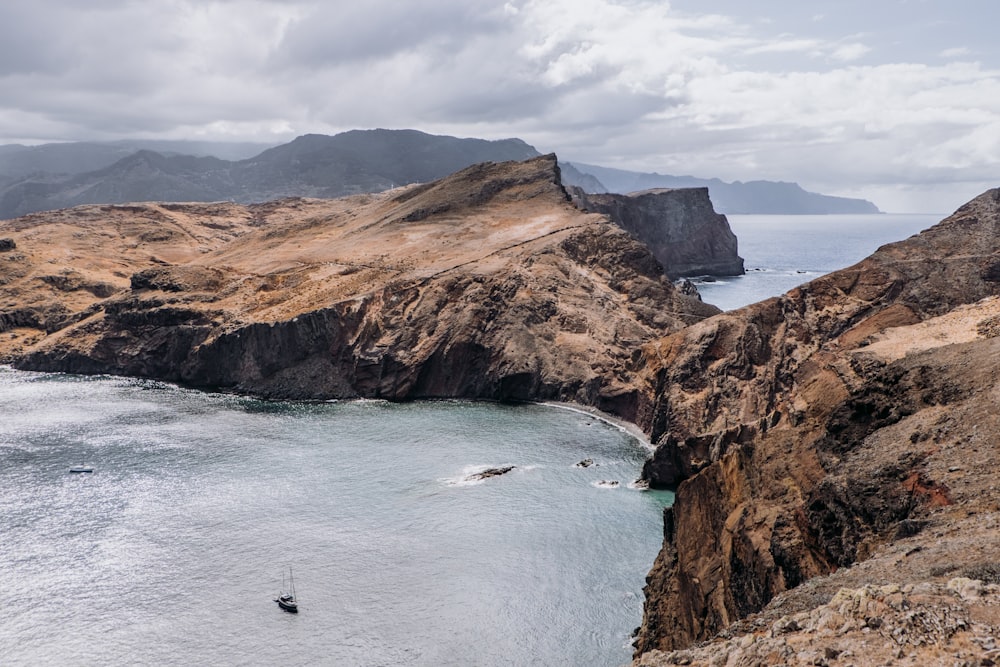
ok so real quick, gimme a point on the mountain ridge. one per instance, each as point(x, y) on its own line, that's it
point(738, 197)
point(488, 283)
point(55, 176)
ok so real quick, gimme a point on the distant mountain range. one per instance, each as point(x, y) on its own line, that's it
point(773, 197)
point(53, 176)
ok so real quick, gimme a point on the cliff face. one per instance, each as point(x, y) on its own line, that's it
point(679, 226)
point(487, 284)
point(841, 435)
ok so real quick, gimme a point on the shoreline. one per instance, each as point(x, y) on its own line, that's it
point(625, 426)
point(622, 425)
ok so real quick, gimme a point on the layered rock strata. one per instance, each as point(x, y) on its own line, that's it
point(679, 225)
point(839, 437)
point(843, 435)
point(486, 284)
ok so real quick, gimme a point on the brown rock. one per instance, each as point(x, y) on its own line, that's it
point(679, 225)
point(810, 436)
point(485, 284)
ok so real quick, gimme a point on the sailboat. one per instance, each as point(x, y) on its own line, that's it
point(286, 598)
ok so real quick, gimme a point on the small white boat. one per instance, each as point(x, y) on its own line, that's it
point(81, 469)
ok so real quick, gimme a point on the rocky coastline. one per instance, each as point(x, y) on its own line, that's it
point(838, 437)
point(489, 284)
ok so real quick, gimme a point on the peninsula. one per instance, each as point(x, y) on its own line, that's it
point(833, 450)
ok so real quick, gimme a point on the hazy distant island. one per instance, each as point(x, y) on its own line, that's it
point(54, 176)
point(751, 197)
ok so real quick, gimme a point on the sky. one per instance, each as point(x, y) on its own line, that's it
point(896, 101)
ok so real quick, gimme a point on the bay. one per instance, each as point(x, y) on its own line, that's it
point(171, 552)
point(781, 252)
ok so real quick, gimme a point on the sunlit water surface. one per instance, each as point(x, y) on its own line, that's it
point(171, 552)
point(784, 251)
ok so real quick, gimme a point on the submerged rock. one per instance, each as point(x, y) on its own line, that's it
point(489, 472)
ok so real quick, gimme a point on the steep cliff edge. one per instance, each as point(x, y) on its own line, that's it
point(842, 435)
point(485, 284)
point(679, 225)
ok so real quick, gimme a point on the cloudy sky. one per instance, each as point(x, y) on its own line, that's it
point(897, 101)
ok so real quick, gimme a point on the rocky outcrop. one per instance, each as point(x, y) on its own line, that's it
point(926, 624)
point(489, 472)
point(679, 226)
point(486, 284)
point(835, 434)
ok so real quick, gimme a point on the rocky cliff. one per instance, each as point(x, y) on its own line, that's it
point(487, 284)
point(678, 225)
point(840, 436)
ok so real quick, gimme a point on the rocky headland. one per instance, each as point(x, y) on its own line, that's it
point(487, 284)
point(61, 175)
point(833, 450)
point(680, 227)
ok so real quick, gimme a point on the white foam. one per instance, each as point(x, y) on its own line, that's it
point(625, 427)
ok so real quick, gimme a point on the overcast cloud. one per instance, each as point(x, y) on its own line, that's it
point(897, 101)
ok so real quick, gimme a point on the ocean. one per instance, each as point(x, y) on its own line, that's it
point(783, 251)
point(172, 551)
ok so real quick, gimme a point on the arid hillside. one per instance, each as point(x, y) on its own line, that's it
point(488, 283)
point(836, 451)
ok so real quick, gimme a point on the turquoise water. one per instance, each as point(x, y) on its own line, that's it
point(784, 251)
point(172, 551)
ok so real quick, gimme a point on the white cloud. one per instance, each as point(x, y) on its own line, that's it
point(849, 52)
point(629, 83)
point(954, 53)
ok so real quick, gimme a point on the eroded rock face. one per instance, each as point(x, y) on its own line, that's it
point(928, 624)
point(679, 225)
point(828, 435)
point(486, 284)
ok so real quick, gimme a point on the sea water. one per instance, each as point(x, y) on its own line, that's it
point(172, 551)
point(783, 251)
